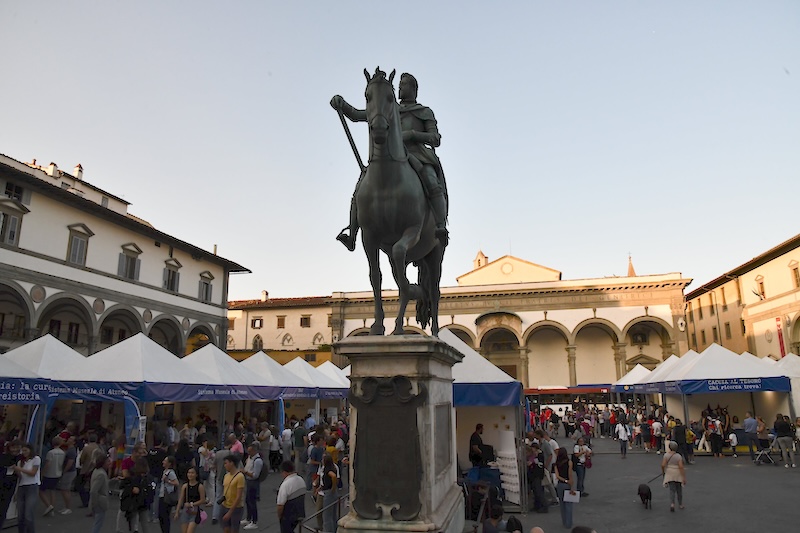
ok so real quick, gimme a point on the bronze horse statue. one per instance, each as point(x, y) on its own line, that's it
point(394, 213)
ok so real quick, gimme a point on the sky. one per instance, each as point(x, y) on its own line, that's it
point(573, 133)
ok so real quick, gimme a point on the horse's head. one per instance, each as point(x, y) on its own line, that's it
point(381, 104)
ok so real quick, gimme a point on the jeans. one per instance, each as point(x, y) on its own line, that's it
point(331, 515)
point(164, 518)
point(785, 445)
point(99, 520)
point(539, 501)
point(251, 493)
point(623, 447)
point(6, 495)
point(580, 470)
point(675, 488)
point(27, 496)
point(216, 511)
point(752, 438)
point(565, 507)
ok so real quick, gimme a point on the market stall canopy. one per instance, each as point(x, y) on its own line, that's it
point(273, 374)
point(224, 370)
point(718, 369)
point(625, 384)
point(46, 356)
point(651, 382)
point(477, 381)
point(327, 388)
point(790, 365)
point(144, 370)
point(19, 385)
point(334, 372)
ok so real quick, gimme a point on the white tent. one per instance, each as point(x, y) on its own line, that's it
point(300, 367)
point(636, 374)
point(656, 374)
point(219, 365)
point(273, 374)
point(47, 357)
point(12, 369)
point(790, 365)
point(334, 372)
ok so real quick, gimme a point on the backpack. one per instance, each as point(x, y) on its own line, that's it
point(149, 490)
point(264, 470)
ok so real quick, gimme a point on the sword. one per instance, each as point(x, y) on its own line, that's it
point(350, 138)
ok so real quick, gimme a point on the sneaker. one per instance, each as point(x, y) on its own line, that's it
point(214, 521)
point(48, 510)
point(244, 522)
point(785, 466)
point(65, 511)
point(794, 465)
point(251, 525)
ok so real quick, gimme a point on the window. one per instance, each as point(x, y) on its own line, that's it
point(129, 262)
point(54, 328)
point(318, 339)
point(724, 299)
point(762, 294)
point(9, 228)
point(258, 343)
point(281, 322)
point(700, 310)
point(694, 340)
point(122, 334)
point(796, 277)
point(727, 330)
point(104, 201)
point(305, 321)
point(711, 307)
point(231, 324)
point(171, 280)
point(79, 235)
point(107, 335)
point(73, 332)
point(257, 323)
point(311, 357)
point(287, 340)
point(691, 314)
point(703, 337)
point(14, 191)
point(744, 329)
point(715, 333)
point(204, 287)
point(330, 321)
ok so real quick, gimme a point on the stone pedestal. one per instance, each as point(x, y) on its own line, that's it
point(402, 437)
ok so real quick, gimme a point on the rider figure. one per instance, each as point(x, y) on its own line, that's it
point(420, 136)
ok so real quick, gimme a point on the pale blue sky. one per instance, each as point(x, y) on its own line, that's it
point(572, 132)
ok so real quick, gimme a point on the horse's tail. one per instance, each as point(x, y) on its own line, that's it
point(424, 305)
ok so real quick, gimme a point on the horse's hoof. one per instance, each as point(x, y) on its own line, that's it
point(377, 330)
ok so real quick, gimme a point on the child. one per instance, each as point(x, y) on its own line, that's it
point(733, 441)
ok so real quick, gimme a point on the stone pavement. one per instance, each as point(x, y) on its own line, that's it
point(728, 495)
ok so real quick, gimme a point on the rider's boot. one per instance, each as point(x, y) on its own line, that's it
point(349, 240)
point(439, 205)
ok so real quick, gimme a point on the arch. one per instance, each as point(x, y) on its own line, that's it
point(462, 333)
point(493, 330)
point(16, 312)
point(413, 330)
point(200, 335)
point(258, 343)
point(360, 332)
point(667, 327)
point(167, 331)
point(122, 314)
point(549, 324)
point(602, 323)
point(287, 340)
point(230, 343)
point(59, 313)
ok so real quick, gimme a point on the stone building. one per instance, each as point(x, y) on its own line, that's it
point(74, 263)
point(755, 307)
point(522, 316)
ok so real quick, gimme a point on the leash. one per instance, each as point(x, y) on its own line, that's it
point(655, 478)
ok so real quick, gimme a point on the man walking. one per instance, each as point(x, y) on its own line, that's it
point(233, 494)
point(252, 472)
point(751, 434)
point(291, 498)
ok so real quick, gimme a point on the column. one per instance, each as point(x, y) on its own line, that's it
point(620, 358)
point(573, 372)
point(523, 367)
point(667, 349)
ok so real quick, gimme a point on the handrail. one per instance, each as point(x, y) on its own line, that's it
point(302, 523)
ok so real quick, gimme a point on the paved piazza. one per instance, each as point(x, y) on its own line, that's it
point(728, 495)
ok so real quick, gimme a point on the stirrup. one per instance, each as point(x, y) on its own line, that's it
point(348, 241)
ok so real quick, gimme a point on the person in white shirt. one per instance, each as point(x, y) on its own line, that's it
point(51, 474)
point(581, 453)
point(658, 434)
point(27, 470)
point(286, 442)
point(623, 435)
point(291, 498)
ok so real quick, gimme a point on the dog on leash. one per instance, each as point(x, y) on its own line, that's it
point(646, 495)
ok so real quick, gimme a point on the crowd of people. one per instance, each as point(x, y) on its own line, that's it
point(184, 478)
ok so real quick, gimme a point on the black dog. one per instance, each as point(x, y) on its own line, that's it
point(646, 495)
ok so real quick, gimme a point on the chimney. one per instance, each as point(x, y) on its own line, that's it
point(52, 170)
point(215, 249)
point(78, 172)
point(33, 162)
point(264, 296)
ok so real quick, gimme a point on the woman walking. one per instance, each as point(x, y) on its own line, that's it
point(98, 492)
point(566, 482)
point(674, 475)
point(329, 483)
point(192, 497)
point(27, 469)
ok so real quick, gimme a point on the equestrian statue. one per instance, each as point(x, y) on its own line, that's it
point(400, 202)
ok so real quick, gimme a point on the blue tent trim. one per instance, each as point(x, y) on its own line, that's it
point(487, 394)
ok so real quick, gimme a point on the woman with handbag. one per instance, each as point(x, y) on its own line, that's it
point(192, 497)
point(167, 494)
point(581, 457)
point(328, 492)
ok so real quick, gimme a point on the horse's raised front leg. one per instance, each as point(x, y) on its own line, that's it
point(372, 251)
